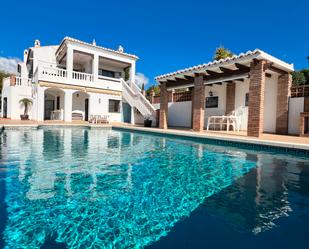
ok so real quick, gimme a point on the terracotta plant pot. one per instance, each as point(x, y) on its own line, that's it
point(24, 117)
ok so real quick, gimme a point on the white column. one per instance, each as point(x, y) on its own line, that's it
point(132, 72)
point(40, 103)
point(69, 62)
point(95, 66)
point(132, 115)
point(68, 96)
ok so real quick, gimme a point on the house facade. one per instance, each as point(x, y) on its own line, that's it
point(255, 82)
point(73, 81)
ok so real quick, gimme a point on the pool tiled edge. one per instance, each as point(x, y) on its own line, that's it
point(245, 143)
point(240, 142)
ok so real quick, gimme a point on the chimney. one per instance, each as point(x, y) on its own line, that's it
point(94, 42)
point(25, 55)
point(37, 43)
point(120, 49)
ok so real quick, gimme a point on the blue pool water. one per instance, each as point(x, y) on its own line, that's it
point(96, 188)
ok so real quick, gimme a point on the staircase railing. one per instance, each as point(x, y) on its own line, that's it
point(137, 99)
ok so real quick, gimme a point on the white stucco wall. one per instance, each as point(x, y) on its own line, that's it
point(14, 95)
point(98, 105)
point(296, 106)
point(180, 114)
point(220, 91)
point(240, 100)
point(270, 104)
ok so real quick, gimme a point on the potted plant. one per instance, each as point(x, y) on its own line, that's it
point(147, 122)
point(26, 102)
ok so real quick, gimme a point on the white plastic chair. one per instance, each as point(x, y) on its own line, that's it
point(235, 118)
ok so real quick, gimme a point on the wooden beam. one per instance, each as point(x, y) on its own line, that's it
point(240, 66)
point(226, 70)
point(277, 70)
point(189, 77)
point(210, 72)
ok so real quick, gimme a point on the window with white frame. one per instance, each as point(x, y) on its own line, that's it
point(114, 105)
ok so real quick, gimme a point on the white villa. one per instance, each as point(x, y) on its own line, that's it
point(75, 81)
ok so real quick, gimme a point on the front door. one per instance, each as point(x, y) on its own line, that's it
point(86, 109)
point(5, 107)
point(49, 107)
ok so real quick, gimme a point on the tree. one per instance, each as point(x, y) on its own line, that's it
point(300, 77)
point(26, 102)
point(127, 73)
point(306, 74)
point(2, 76)
point(155, 88)
point(222, 53)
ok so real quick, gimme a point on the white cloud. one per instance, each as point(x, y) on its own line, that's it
point(141, 79)
point(8, 64)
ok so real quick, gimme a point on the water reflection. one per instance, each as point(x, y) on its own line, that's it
point(257, 201)
point(100, 189)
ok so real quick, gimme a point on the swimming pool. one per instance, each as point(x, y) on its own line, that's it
point(100, 188)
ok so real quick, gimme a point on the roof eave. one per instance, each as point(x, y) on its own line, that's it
point(73, 40)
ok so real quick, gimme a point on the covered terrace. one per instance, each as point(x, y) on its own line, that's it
point(256, 81)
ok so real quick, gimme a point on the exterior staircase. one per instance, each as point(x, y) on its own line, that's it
point(131, 93)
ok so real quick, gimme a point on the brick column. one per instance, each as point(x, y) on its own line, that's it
point(256, 99)
point(163, 106)
point(152, 94)
point(302, 124)
point(283, 94)
point(198, 103)
point(230, 97)
point(12, 80)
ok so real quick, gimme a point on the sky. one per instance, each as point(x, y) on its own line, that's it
point(165, 35)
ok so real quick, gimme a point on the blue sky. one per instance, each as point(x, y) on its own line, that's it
point(166, 35)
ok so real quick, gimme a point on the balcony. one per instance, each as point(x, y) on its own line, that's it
point(17, 81)
point(61, 76)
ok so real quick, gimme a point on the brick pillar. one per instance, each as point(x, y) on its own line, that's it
point(12, 80)
point(283, 94)
point(163, 106)
point(198, 103)
point(230, 97)
point(302, 124)
point(192, 97)
point(256, 99)
point(152, 94)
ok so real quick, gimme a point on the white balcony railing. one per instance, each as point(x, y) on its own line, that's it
point(82, 76)
point(51, 73)
point(22, 81)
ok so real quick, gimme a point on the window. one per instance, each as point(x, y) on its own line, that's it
point(247, 99)
point(111, 74)
point(212, 102)
point(106, 73)
point(114, 105)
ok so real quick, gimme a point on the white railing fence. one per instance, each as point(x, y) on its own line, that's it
point(23, 81)
point(137, 99)
point(82, 76)
point(53, 72)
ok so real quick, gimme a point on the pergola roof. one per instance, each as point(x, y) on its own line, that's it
point(227, 67)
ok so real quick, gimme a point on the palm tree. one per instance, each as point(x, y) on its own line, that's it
point(26, 102)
